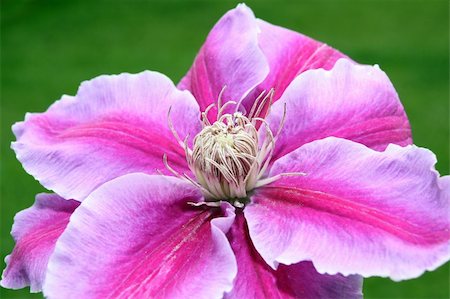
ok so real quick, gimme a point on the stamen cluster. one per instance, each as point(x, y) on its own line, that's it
point(224, 155)
point(227, 158)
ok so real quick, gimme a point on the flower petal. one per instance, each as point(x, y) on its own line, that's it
point(115, 125)
point(351, 101)
point(230, 57)
point(136, 237)
point(255, 279)
point(35, 231)
point(357, 211)
point(289, 54)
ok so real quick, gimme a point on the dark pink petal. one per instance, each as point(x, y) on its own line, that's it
point(256, 280)
point(115, 125)
point(35, 231)
point(289, 54)
point(136, 237)
point(357, 211)
point(351, 101)
point(230, 56)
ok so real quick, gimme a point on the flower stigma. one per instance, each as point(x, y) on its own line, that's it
point(227, 158)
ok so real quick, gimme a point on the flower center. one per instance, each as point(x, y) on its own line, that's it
point(228, 159)
point(224, 155)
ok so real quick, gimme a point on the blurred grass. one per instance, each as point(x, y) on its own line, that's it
point(49, 47)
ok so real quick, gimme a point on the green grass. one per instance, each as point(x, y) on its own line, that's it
point(49, 47)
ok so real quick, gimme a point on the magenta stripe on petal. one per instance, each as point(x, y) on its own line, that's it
point(137, 237)
point(381, 213)
point(35, 231)
point(351, 101)
point(256, 280)
point(289, 54)
point(115, 125)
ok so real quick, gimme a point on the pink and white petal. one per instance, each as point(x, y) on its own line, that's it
point(113, 126)
point(351, 101)
point(230, 57)
point(224, 223)
point(35, 231)
point(137, 237)
point(357, 211)
point(256, 280)
point(289, 54)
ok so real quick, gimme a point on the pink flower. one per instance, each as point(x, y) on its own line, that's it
point(297, 183)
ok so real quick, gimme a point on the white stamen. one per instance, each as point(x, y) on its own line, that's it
point(226, 157)
point(172, 128)
point(214, 204)
point(274, 178)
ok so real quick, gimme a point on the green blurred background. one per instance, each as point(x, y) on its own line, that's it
point(49, 47)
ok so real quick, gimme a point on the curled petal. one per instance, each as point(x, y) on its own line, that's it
point(113, 126)
point(351, 101)
point(357, 211)
point(256, 280)
point(230, 57)
point(35, 231)
point(137, 237)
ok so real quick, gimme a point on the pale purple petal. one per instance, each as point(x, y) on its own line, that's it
point(351, 101)
point(225, 223)
point(136, 237)
point(256, 280)
point(230, 57)
point(115, 125)
point(35, 231)
point(289, 54)
point(357, 211)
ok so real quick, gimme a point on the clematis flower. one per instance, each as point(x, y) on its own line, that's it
point(277, 168)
